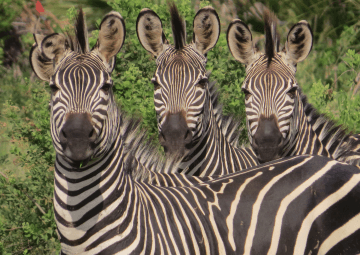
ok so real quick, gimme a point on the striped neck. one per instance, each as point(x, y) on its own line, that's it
point(214, 153)
point(302, 139)
point(80, 194)
point(333, 137)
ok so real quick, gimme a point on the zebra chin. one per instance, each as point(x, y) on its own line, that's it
point(78, 160)
point(266, 154)
point(268, 141)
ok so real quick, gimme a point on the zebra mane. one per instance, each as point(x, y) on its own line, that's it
point(80, 41)
point(140, 151)
point(272, 38)
point(81, 33)
point(228, 125)
point(335, 136)
point(178, 27)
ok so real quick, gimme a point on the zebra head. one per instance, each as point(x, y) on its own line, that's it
point(181, 94)
point(83, 110)
point(271, 91)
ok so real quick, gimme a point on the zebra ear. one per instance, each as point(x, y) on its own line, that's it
point(149, 31)
point(206, 29)
point(299, 42)
point(111, 38)
point(54, 46)
point(46, 53)
point(240, 43)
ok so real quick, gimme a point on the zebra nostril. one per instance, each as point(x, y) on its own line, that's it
point(165, 149)
point(162, 139)
point(63, 138)
point(92, 135)
point(254, 141)
point(188, 137)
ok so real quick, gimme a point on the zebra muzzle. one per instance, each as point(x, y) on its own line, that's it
point(175, 136)
point(268, 140)
point(77, 137)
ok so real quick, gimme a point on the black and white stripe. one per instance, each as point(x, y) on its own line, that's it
point(273, 96)
point(288, 206)
point(108, 205)
point(182, 87)
point(273, 91)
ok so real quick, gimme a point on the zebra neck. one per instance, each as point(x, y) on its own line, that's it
point(215, 155)
point(333, 137)
point(83, 197)
point(302, 138)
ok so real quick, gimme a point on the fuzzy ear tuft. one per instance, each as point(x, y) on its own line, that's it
point(239, 39)
point(149, 31)
point(299, 42)
point(42, 67)
point(54, 46)
point(111, 38)
point(46, 53)
point(206, 29)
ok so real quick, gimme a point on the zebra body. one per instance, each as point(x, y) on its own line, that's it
point(189, 121)
point(280, 121)
point(271, 209)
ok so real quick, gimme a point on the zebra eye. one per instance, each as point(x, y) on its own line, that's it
point(247, 94)
point(292, 93)
point(202, 83)
point(53, 88)
point(106, 87)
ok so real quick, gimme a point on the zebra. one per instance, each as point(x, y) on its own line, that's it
point(190, 120)
point(101, 207)
point(280, 121)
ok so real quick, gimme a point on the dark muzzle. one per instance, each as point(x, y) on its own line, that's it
point(175, 135)
point(267, 141)
point(77, 137)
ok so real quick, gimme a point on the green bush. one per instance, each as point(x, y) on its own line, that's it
point(26, 203)
point(342, 105)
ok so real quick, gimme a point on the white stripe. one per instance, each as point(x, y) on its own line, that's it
point(341, 233)
point(301, 240)
point(290, 198)
point(256, 207)
point(234, 205)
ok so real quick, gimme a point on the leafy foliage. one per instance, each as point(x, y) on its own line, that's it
point(9, 9)
point(26, 204)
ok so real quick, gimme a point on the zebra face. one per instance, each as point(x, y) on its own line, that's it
point(84, 117)
point(180, 81)
point(180, 92)
point(82, 108)
point(271, 91)
point(270, 100)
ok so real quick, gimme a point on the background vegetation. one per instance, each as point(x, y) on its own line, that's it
point(330, 76)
